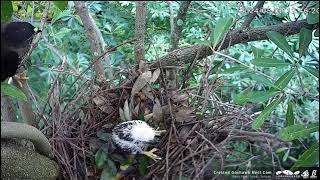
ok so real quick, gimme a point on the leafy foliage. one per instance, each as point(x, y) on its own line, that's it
point(10, 90)
point(6, 10)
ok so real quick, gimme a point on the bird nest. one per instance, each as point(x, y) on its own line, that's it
point(198, 129)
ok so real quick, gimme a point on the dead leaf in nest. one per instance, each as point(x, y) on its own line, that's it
point(157, 111)
point(155, 76)
point(141, 96)
point(143, 65)
point(180, 97)
point(148, 117)
point(147, 91)
point(103, 104)
point(136, 109)
point(126, 111)
point(184, 114)
point(141, 81)
point(121, 113)
point(183, 133)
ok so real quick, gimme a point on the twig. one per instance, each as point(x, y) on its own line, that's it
point(37, 38)
point(97, 59)
point(214, 147)
point(252, 15)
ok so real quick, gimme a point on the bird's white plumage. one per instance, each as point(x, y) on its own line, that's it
point(133, 136)
point(142, 132)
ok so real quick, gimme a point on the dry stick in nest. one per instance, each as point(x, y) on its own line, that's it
point(212, 145)
point(259, 134)
point(178, 152)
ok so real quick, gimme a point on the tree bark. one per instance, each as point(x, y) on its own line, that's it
point(252, 15)
point(7, 109)
point(177, 29)
point(93, 37)
point(141, 14)
point(25, 107)
point(186, 55)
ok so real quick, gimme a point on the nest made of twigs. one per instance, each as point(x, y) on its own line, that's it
point(194, 144)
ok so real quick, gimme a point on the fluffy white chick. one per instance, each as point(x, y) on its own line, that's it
point(134, 136)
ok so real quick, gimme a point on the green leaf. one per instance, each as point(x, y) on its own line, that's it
point(142, 166)
point(204, 42)
point(269, 62)
point(298, 130)
point(309, 158)
point(285, 157)
point(289, 115)
point(61, 4)
point(257, 52)
point(281, 149)
point(312, 71)
point(305, 38)
point(265, 113)
point(106, 174)
point(261, 79)
point(6, 10)
point(11, 90)
point(312, 18)
point(234, 69)
point(254, 96)
point(100, 158)
point(222, 27)
point(280, 41)
point(283, 81)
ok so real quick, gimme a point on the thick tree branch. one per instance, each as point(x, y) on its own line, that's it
point(185, 55)
point(177, 28)
point(25, 107)
point(92, 34)
point(252, 15)
point(141, 14)
point(7, 109)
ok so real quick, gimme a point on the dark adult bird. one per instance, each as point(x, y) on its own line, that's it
point(16, 39)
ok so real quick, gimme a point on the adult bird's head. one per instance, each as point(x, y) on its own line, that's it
point(18, 34)
point(16, 40)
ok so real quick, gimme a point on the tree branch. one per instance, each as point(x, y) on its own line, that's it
point(252, 15)
point(185, 55)
point(92, 34)
point(141, 14)
point(177, 29)
point(7, 109)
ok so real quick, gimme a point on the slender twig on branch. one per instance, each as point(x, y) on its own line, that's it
point(252, 15)
point(257, 134)
point(95, 60)
point(38, 36)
